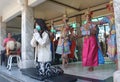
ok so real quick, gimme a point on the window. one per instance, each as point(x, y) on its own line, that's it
point(103, 29)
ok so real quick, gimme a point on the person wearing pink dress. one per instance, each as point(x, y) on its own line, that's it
point(90, 46)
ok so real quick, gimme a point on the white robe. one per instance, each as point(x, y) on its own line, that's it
point(42, 50)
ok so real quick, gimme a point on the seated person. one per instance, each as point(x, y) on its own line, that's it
point(11, 45)
point(5, 52)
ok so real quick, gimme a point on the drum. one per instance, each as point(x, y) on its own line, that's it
point(12, 46)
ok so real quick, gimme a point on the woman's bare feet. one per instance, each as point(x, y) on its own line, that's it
point(90, 69)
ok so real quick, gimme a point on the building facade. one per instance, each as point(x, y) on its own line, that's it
point(25, 9)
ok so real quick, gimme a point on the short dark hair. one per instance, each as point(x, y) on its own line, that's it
point(8, 33)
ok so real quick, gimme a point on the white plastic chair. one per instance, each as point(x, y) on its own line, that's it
point(10, 58)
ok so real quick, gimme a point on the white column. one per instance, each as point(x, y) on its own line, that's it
point(117, 23)
point(2, 33)
point(27, 31)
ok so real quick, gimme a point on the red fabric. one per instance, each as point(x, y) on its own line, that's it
point(72, 49)
point(55, 42)
point(18, 51)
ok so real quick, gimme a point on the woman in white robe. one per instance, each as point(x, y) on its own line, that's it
point(41, 42)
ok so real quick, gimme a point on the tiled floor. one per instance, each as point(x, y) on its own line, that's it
point(101, 72)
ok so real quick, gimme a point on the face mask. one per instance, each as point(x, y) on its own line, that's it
point(38, 27)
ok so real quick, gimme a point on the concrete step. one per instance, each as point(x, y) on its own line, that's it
point(8, 78)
